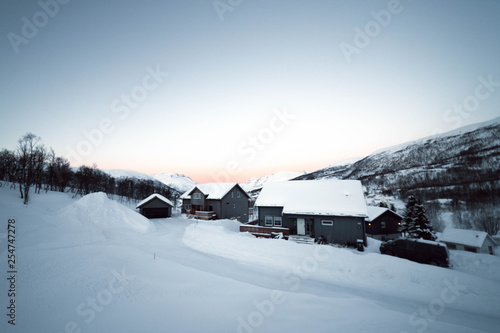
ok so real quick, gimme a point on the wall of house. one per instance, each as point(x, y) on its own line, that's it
point(345, 229)
point(200, 202)
point(184, 203)
point(374, 228)
point(487, 243)
point(214, 205)
point(271, 211)
point(235, 205)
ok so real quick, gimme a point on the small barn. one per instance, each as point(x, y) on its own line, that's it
point(468, 240)
point(155, 206)
point(382, 223)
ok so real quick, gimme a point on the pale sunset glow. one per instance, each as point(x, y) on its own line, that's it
point(185, 87)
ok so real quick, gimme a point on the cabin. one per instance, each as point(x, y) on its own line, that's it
point(155, 206)
point(216, 201)
point(382, 223)
point(468, 240)
point(328, 210)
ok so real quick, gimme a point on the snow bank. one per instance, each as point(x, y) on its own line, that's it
point(98, 210)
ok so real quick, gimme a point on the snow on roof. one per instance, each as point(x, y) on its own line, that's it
point(215, 191)
point(472, 238)
point(152, 196)
point(374, 212)
point(315, 197)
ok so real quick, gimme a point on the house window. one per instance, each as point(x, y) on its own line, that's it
point(382, 224)
point(232, 194)
point(188, 207)
point(234, 206)
point(470, 249)
point(277, 221)
point(238, 194)
point(327, 223)
point(452, 246)
point(197, 196)
point(269, 221)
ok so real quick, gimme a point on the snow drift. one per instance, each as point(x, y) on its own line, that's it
point(98, 210)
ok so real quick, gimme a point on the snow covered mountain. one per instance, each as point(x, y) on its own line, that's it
point(258, 182)
point(175, 180)
point(122, 173)
point(461, 164)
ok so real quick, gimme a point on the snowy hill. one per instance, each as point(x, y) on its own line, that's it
point(467, 159)
point(176, 181)
point(258, 183)
point(179, 182)
point(93, 265)
point(121, 173)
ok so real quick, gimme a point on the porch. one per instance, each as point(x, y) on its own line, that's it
point(264, 232)
point(203, 215)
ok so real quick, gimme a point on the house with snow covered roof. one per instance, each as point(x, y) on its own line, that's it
point(468, 240)
point(216, 201)
point(382, 223)
point(155, 206)
point(333, 210)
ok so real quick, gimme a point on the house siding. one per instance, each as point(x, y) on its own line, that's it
point(390, 231)
point(234, 205)
point(274, 212)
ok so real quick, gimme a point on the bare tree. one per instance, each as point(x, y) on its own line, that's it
point(26, 152)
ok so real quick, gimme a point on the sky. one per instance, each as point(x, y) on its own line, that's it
point(228, 90)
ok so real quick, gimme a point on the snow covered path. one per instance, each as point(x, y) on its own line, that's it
point(92, 265)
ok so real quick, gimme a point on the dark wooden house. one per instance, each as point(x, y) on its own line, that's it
point(330, 210)
point(216, 201)
point(382, 223)
point(155, 206)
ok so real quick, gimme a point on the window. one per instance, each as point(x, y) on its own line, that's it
point(452, 246)
point(188, 207)
point(197, 196)
point(382, 224)
point(238, 194)
point(232, 194)
point(269, 221)
point(234, 206)
point(277, 221)
point(327, 223)
point(470, 249)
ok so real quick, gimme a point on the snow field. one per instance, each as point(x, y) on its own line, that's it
point(94, 265)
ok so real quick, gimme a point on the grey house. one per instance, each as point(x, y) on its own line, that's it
point(216, 201)
point(333, 210)
point(382, 223)
point(468, 240)
point(155, 206)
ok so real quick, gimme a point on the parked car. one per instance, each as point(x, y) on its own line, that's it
point(419, 250)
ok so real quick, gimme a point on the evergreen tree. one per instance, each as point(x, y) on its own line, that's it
point(409, 217)
point(422, 227)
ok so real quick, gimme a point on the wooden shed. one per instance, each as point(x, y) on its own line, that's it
point(155, 206)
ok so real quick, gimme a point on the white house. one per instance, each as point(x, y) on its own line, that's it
point(468, 240)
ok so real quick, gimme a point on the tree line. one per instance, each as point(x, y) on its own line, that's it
point(32, 166)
